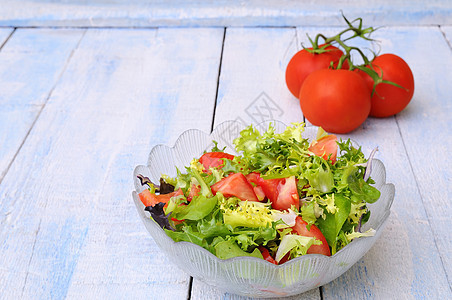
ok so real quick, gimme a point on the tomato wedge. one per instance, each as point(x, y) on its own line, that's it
point(236, 185)
point(282, 192)
point(214, 159)
point(194, 191)
point(301, 229)
point(149, 199)
point(255, 178)
point(324, 147)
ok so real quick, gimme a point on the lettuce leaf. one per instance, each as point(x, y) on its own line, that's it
point(228, 249)
point(298, 245)
point(199, 207)
point(331, 224)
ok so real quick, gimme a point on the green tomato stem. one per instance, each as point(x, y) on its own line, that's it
point(357, 32)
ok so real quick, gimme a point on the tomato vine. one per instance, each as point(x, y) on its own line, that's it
point(358, 31)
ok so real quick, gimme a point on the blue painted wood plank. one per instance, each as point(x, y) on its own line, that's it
point(221, 13)
point(4, 35)
point(447, 30)
point(68, 226)
point(252, 83)
point(31, 63)
point(426, 125)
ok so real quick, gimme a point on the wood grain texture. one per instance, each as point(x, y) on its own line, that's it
point(220, 13)
point(252, 82)
point(69, 228)
point(31, 63)
point(432, 110)
point(412, 256)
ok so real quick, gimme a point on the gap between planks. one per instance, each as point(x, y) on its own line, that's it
point(218, 82)
point(45, 102)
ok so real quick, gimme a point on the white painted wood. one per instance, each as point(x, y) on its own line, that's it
point(31, 63)
point(447, 30)
point(412, 257)
point(69, 228)
point(200, 291)
point(252, 82)
point(4, 35)
point(426, 125)
point(220, 13)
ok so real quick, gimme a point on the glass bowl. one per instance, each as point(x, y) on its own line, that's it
point(249, 276)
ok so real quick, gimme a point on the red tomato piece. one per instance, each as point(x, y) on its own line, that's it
point(281, 192)
point(287, 194)
point(256, 179)
point(304, 63)
point(194, 191)
point(325, 147)
point(389, 100)
point(336, 100)
point(266, 255)
point(269, 186)
point(301, 229)
point(149, 199)
point(285, 258)
point(214, 159)
point(236, 185)
point(259, 192)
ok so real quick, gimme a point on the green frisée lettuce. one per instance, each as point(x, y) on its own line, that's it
point(211, 208)
point(293, 242)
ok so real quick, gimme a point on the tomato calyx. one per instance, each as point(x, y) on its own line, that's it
point(321, 44)
point(357, 31)
point(354, 30)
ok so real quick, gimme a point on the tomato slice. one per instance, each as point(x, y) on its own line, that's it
point(149, 199)
point(282, 192)
point(214, 159)
point(301, 229)
point(236, 185)
point(194, 191)
point(269, 186)
point(287, 194)
point(266, 255)
point(255, 178)
point(259, 192)
point(325, 147)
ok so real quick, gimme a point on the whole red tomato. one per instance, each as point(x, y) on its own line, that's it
point(304, 63)
point(336, 100)
point(388, 99)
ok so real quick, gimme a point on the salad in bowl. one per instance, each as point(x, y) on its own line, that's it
point(276, 211)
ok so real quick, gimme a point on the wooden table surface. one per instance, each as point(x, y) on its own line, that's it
point(86, 90)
